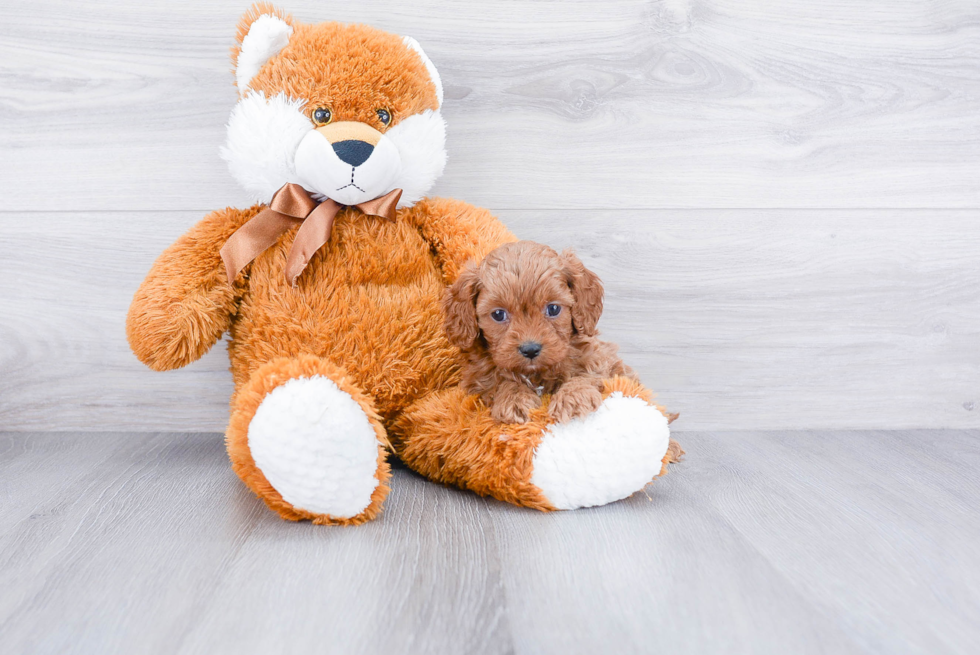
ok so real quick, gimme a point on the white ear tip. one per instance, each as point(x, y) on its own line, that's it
point(267, 35)
point(429, 66)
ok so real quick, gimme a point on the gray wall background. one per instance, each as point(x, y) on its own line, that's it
point(783, 198)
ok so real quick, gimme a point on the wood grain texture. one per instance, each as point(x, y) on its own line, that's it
point(738, 319)
point(760, 542)
point(601, 104)
point(578, 122)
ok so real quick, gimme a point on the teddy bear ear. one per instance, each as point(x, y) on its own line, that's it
point(263, 31)
point(429, 66)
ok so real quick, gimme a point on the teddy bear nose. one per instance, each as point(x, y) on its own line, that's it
point(530, 349)
point(353, 151)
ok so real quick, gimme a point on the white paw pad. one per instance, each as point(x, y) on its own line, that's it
point(316, 447)
point(605, 456)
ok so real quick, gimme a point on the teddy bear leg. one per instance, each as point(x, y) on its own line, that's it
point(610, 454)
point(309, 442)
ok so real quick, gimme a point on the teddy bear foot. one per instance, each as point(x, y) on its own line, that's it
point(309, 443)
point(599, 458)
point(602, 457)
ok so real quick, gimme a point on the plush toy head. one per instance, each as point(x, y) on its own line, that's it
point(346, 111)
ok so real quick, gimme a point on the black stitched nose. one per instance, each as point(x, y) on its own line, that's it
point(353, 152)
point(530, 349)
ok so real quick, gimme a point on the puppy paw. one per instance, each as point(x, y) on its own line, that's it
point(574, 401)
point(516, 409)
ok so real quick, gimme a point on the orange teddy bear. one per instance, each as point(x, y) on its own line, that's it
point(330, 289)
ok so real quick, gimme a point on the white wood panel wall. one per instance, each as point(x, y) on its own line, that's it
point(782, 197)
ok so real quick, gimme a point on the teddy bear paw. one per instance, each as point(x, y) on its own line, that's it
point(602, 457)
point(316, 447)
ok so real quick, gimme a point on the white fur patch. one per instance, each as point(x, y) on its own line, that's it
point(421, 143)
point(605, 456)
point(316, 447)
point(263, 136)
point(322, 172)
point(429, 66)
point(267, 35)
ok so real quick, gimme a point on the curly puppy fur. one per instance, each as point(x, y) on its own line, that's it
point(525, 319)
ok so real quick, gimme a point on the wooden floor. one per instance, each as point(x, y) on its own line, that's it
point(760, 542)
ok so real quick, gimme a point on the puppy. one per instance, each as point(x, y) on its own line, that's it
point(525, 319)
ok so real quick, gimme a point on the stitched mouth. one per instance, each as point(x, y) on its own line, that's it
point(353, 169)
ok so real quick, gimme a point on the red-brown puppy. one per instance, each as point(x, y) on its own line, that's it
point(525, 319)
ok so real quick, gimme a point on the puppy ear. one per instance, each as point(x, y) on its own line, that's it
point(587, 289)
point(459, 305)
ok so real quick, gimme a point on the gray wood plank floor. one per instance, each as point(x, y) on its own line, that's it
point(760, 542)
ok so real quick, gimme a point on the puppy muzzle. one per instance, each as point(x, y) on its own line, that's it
point(348, 161)
point(529, 349)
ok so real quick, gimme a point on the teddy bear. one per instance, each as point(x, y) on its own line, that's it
point(330, 289)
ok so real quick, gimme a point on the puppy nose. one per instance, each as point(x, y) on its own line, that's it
point(353, 151)
point(530, 349)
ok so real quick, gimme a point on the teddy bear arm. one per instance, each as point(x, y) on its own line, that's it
point(185, 303)
point(458, 232)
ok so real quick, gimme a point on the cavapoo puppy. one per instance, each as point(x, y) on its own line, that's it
point(525, 319)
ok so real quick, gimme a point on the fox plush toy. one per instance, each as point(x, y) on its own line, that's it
point(330, 288)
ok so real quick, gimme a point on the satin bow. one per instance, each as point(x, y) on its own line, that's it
point(291, 206)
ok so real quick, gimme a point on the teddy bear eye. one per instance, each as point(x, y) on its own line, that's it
point(552, 310)
point(384, 116)
point(322, 116)
point(499, 315)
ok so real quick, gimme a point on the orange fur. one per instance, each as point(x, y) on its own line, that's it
point(325, 64)
point(373, 290)
point(366, 311)
point(451, 437)
point(367, 304)
point(185, 304)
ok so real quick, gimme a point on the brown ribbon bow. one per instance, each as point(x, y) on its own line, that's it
point(292, 205)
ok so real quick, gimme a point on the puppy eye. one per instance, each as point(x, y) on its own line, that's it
point(385, 117)
point(552, 310)
point(322, 116)
point(499, 315)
